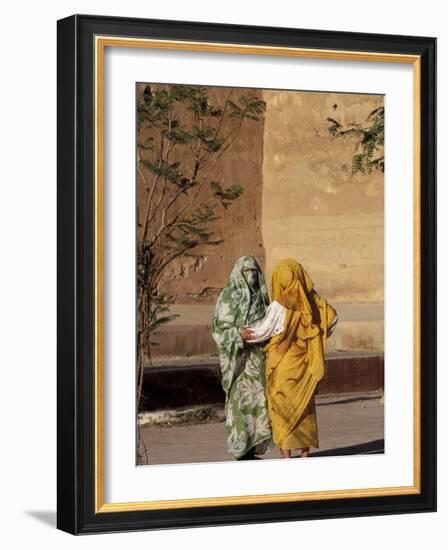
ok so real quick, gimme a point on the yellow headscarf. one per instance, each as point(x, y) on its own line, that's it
point(308, 317)
point(292, 287)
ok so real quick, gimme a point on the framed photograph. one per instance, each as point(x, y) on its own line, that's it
point(246, 274)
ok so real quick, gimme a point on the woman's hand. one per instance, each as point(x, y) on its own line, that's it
point(246, 334)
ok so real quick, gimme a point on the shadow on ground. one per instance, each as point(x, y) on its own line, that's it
point(44, 516)
point(370, 448)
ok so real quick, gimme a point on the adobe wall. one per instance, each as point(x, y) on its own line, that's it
point(313, 208)
point(300, 199)
point(200, 278)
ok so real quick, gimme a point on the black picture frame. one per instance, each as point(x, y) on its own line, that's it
point(76, 285)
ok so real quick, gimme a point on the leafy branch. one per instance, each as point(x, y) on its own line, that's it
point(181, 135)
point(369, 149)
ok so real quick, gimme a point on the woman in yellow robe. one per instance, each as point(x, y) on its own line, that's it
point(295, 355)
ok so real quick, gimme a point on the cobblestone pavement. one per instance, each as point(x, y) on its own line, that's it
point(346, 426)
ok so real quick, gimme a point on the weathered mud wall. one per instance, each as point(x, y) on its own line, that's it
point(300, 199)
point(313, 208)
point(198, 279)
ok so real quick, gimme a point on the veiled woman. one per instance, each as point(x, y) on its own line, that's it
point(242, 302)
point(297, 324)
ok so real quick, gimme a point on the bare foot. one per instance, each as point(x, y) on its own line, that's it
point(285, 454)
point(305, 452)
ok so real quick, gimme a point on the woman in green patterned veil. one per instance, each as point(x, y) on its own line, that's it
point(243, 302)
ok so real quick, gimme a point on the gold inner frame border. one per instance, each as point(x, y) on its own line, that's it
point(101, 42)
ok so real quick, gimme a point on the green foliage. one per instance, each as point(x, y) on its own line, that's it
point(166, 171)
point(369, 150)
point(249, 108)
point(153, 307)
point(181, 134)
point(227, 195)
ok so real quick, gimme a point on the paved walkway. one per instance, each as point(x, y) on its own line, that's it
point(346, 426)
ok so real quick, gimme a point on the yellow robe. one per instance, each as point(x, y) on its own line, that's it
point(295, 358)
